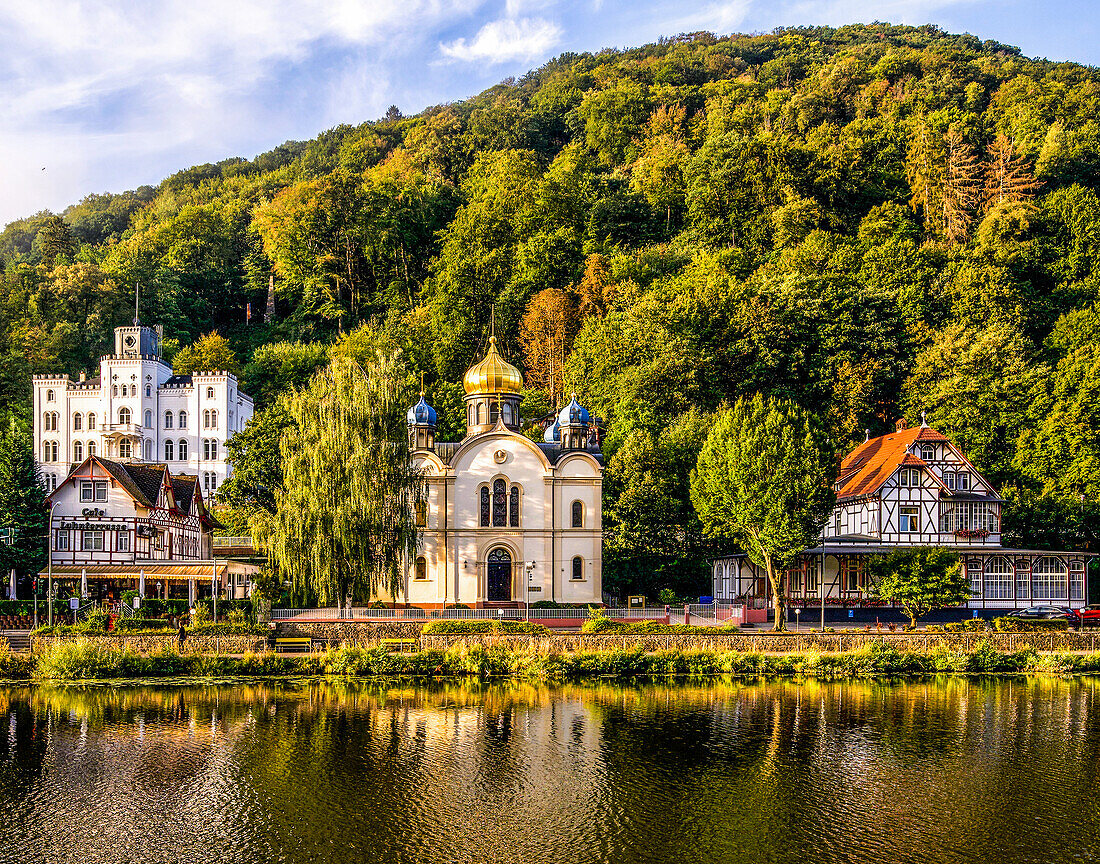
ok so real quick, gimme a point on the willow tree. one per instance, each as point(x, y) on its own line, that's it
point(763, 480)
point(344, 525)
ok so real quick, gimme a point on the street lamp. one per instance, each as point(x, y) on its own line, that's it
point(527, 598)
point(797, 612)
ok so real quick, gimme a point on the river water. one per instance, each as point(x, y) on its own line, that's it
point(947, 770)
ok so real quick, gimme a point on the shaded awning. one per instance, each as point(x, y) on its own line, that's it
point(171, 570)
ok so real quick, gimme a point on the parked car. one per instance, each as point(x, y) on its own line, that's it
point(1090, 615)
point(1046, 613)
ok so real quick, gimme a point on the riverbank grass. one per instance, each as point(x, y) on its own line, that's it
point(85, 659)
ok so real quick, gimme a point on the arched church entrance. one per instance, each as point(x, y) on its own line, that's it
point(499, 574)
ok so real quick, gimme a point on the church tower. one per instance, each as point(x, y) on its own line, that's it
point(494, 387)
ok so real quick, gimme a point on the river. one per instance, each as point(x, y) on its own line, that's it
point(944, 770)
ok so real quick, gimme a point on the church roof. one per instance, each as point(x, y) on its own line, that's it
point(492, 375)
point(445, 450)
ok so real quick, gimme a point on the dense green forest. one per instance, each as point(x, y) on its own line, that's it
point(873, 221)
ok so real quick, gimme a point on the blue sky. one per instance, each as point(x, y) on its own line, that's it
point(109, 95)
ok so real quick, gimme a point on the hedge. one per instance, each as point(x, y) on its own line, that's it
point(96, 658)
point(123, 625)
point(459, 628)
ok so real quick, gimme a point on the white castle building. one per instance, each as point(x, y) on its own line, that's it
point(138, 411)
point(508, 520)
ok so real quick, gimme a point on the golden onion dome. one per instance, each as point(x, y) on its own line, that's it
point(493, 374)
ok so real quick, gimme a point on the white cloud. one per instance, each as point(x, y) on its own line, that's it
point(505, 39)
point(91, 90)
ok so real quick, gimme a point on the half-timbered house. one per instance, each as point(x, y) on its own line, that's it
point(913, 487)
point(118, 526)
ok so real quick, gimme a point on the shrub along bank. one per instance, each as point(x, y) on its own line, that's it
point(95, 659)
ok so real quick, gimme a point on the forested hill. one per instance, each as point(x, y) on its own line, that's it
point(873, 220)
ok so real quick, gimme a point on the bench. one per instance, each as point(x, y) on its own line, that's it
point(401, 644)
point(293, 643)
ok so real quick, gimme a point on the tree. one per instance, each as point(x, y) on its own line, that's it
point(546, 333)
point(920, 580)
point(763, 479)
point(256, 454)
point(211, 353)
point(1007, 178)
point(22, 504)
point(962, 187)
point(344, 519)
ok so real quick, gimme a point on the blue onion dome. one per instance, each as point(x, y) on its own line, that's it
point(552, 433)
point(421, 414)
point(573, 414)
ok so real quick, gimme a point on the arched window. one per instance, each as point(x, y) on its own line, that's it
point(183, 419)
point(513, 507)
point(48, 422)
point(78, 422)
point(169, 451)
point(485, 507)
point(210, 449)
point(477, 415)
point(421, 514)
point(78, 451)
point(114, 389)
point(148, 450)
point(998, 578)
point(1049, 579)
point(148, 419)
point(209, 392)
point(421, 569)
point(577, 516)
point(183, 450)
point(167, 419)
point(91, 448)
point(149, 390)
point(49, 396)
point(125, 449)
point(123, 416)
point(578, 568)
point(50, 451)
point(91, 420)
point(500, 504)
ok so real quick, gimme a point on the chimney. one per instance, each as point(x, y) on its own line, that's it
point(900, 426)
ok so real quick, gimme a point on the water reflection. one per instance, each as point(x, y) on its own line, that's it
point(945, 770)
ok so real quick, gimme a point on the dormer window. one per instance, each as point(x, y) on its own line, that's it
point(928, 452)
point(909, 477)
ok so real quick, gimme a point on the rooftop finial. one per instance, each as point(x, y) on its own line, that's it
point(422, 384)
point(923, 418)
point(866, 435)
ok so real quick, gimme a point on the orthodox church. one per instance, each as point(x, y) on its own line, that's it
point(508, 520)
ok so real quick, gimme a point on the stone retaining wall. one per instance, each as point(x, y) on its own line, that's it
point(776, 644)
point(339, 633)
point(145, 643)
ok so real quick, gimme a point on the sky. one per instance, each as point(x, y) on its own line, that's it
point(113, 94)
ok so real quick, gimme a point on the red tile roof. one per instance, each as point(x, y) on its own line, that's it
point(866, 468)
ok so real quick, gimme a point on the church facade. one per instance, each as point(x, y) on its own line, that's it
point(508, 520)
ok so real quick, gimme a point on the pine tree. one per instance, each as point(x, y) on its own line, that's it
point(962, 187)
point(546, 333)
point(924, 171)
point(344, 517)
point(22, 505)
point(1007, 178)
